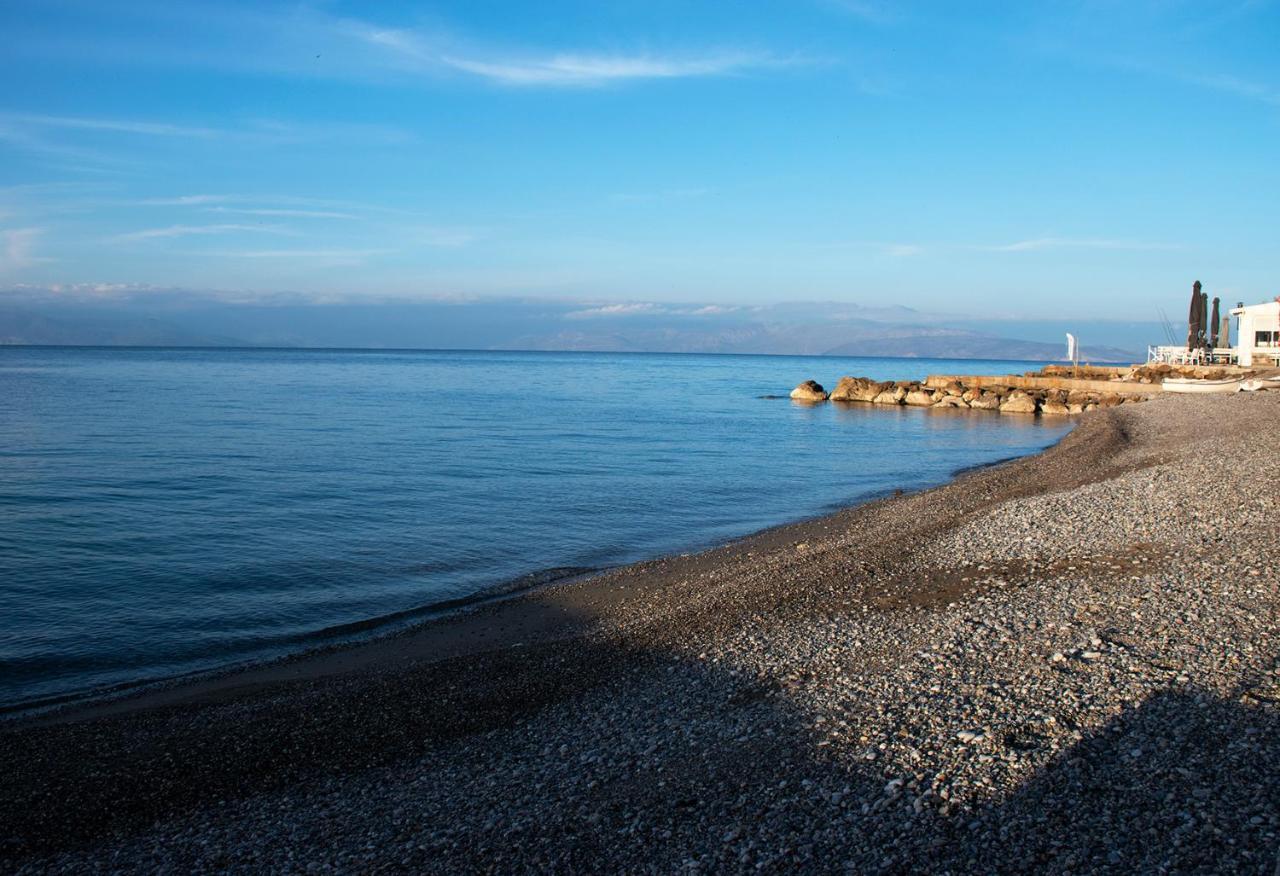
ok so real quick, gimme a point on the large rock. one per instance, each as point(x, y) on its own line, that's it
point(888, 396)
point(1053, 406)
point(922, 398)
point(857, 389)
point(987, 401)
point(950, 401)
point(810, 391)
point(1018, 402)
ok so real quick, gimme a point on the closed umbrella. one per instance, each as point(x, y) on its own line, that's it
point(1193, 318)
point(1214, 322)
point(1203, 340)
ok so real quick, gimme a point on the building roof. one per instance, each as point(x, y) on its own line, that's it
point(1263, 309)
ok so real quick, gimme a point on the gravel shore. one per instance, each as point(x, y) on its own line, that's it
point(1068, 663)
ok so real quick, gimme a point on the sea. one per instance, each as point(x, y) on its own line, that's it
point(165, 512)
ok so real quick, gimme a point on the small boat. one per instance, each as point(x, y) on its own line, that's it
point(1191, 384)
point(1258, 383)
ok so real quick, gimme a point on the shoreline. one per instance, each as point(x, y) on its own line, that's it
point(689, 682)
point(341, 636)
point(373, 632)
point(554, 611)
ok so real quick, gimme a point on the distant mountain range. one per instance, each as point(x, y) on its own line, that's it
point(126, 330)
point(175, 318)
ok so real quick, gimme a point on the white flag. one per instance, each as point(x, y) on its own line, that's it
point(1071, 347)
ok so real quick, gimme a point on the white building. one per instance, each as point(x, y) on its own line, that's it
point(1258, 338)
point(1257, 341)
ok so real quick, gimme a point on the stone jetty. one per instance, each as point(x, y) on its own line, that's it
point(977, 393)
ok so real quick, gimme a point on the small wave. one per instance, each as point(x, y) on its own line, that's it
point(503, 589)
point(966, 469)
point(510, 587)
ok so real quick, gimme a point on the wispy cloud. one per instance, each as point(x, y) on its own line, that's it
point(91, 142)
point(1148, 39)
point(35, 141)
point(271, 204)
point(1046, 243)
point(1035, 244)
point(647, 308)
point(419, 51)
point(123, 126)
point(17, 248)
point(1238, 86)
point(597, 69)
point(1224, 83)
point(325, 257)
point(187, 200)
point(86, 290)
point(286, 132)
point(901, 250)
point(282, 212)
point(308, 39)
point(630, 309)
point(891, 249)
point(195, 230)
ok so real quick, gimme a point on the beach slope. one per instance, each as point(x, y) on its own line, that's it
point(1069, 662)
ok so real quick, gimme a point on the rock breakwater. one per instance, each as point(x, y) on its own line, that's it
point(959, 394)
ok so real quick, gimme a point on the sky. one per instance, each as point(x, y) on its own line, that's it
point(1039, 160)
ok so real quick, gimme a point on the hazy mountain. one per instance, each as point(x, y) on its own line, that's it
point(960, 344)
point(19, 326)
point(177, 318)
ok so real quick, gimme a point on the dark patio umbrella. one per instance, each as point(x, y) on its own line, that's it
point(1214, 322)
point(1203, 340)
point(1194, 317)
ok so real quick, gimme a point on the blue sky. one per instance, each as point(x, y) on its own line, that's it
point(1043, 160)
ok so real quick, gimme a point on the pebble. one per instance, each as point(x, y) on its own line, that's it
point(794, 710)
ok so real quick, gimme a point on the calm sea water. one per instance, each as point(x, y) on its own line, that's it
point(167, 511)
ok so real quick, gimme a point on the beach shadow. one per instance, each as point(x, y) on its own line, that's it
point(1184, 782)
point(738, 774)
point(68, 783)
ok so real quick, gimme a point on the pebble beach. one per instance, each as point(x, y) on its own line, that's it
point(1067, 663)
